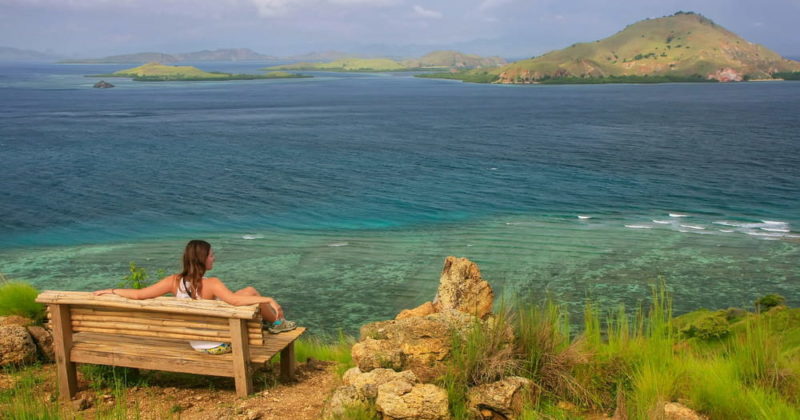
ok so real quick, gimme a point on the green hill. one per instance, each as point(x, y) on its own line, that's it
point(684, 46)
point(155, 72)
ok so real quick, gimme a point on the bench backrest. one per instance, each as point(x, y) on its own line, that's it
point(163, 317)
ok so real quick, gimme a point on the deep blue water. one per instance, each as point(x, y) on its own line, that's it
point(391, 156)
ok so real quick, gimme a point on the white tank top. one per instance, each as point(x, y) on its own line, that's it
point(197, 345)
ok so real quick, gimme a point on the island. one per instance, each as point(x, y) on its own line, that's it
point(156, 72)
point(436, 60)
point(684, 47)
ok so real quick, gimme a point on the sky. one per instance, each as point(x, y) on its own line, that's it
point(508, 28)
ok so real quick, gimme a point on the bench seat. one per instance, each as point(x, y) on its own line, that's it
point(168, 354)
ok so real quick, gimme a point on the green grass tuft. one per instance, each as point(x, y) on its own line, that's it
point(17, 298)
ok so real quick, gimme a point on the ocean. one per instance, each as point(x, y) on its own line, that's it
point(342, 194)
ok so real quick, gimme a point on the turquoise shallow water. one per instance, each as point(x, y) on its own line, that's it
point(341, 195)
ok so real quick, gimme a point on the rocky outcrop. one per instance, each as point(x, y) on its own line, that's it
point(419, 344)
point(16, 346)
point(462, 288)
point(397, 395)
point(401, 400)
point(43, 339)
point(726, 75)
point(366, 383)
point(426, 308)
point(15, 320)
point(103, 85)
point(499, 400)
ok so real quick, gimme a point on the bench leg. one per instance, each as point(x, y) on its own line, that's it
point(288, 363)
point(62, 343)
point(241, 357)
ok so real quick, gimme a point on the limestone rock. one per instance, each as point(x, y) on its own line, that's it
point(15, 320)
point(16, 346)
point(419, 344)
point(400, 400)
point(343, 397)
point(678, 411)
point(367, 383)
point(499, 400)
point(43, 339)
point(462, 288)
point(426, 308)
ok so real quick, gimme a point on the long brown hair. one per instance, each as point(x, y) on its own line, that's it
point(194, 266)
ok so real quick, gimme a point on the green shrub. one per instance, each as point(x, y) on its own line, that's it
point(769, 301)
point(17, 298)
point(711, 326)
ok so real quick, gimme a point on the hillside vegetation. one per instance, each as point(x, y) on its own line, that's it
point(153, 72)
point(346, 64)
point(453, 59)
point(433, 60)
point(684, 45)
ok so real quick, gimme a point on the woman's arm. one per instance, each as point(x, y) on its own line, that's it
point(221, 291)
point(161, 288)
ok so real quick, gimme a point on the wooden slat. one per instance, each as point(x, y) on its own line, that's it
point(241, 358)
point(62, 345)
point(212, 308)
point(148, 353)
point(178, 355)
point(124, 328)
point(274, 343)
point(85, 310)
point(155, 320)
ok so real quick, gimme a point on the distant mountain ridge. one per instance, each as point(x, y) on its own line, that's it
point(16, 54)
point(226, 54)
point(684, 44)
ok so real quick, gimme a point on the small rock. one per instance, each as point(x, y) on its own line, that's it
point(252, 415)
point(397, 401)
point(343, 397)
point(16, 346)
point(81, 404)
point(107, 397)
point(103, 85)
point(15, 320)
point(505, 396)
point(426, 308)
point(678, 411)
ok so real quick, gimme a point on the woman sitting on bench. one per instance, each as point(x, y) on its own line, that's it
point(191, 283)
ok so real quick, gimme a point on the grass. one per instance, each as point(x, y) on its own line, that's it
point(633, 362)
point(17, 298)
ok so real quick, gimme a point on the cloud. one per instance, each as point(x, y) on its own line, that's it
point(426, 13)
point(491, 4)
point(272, 8)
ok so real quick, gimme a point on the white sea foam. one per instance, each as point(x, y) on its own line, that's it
point(678, 215)
point(662, 222)
point(584, 217)
point(773, 222)
point(765, 234)
point(251, 237)
point(638, 227)
point(784, 230)
point(339, 244)
point(492, 169)
point(727, 230)
point(695, 227)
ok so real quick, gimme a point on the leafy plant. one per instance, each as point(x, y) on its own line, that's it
point(137, 278)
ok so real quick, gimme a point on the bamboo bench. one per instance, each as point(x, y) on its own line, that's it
point(154, 334)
